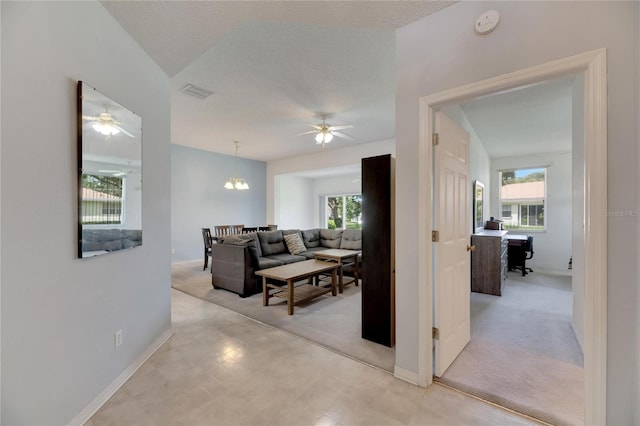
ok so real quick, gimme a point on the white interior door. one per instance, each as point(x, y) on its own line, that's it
point(452, 216)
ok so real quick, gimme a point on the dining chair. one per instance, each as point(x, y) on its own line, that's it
point(208, 241)
point(220, 231)
point(249, 229)
point(272, 227)
point(236, 229)
point(263, 228)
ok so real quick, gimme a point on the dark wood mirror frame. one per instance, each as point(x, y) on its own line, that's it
point(109, 174)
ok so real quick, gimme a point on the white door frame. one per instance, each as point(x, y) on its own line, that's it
point(593, 66)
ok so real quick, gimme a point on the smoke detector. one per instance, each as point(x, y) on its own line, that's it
point(487, 22)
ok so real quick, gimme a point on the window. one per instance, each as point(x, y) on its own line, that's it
point(522, 198)
point(506, 211)
point(101, 200)
point(344, 211)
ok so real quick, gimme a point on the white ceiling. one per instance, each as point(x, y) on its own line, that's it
point(276, 66)
point(524, 121)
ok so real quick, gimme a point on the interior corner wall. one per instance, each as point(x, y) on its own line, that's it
point(59, 313)
point(323, 159)
point(480, 163)
point(442, 52)
point(199, 199)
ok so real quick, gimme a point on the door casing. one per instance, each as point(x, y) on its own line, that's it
point(592, 65)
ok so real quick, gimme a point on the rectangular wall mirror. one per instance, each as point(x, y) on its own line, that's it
point(478, 205)
point(109, 175)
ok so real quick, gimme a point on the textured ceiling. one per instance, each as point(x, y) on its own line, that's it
point(525, 121)
point(274, 67)
point(174, 33)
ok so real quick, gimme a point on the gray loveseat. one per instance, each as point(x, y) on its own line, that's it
point(110, 239)
point(236, 258)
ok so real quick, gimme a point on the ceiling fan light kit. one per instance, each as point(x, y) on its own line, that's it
point(105, 129)
point(235, 182)
point(324, 137)
point(106, 125)
point(324, 132)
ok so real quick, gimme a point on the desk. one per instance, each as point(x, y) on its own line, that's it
point(517, 252)
point(489, 262)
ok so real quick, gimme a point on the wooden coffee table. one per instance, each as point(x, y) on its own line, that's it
point(292, 273)
point(342, 257)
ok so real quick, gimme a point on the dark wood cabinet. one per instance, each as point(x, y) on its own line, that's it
point(489, 262)
point(378, 249)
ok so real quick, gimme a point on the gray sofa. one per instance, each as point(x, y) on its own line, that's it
point(236, 258)
point(110, 239)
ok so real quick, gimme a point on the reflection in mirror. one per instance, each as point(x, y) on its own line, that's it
point(478, 204)
point(109, 175)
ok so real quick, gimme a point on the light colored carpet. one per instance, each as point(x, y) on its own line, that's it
point(523, 352)
point(334, 322)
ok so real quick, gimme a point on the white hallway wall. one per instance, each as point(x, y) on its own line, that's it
point(441, 52)
point(322, 160)
point(59, 313)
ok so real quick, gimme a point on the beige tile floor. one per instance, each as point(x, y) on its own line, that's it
point(221, 368)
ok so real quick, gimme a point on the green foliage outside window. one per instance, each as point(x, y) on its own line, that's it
point(344, 211)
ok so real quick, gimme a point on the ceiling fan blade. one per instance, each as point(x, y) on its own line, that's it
point(315, 126)
point(341, 126)
point(343, 136)
point(123, 130)
point(307, 133)
point(90, 118)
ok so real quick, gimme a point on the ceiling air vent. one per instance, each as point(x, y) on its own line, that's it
point(196, 91)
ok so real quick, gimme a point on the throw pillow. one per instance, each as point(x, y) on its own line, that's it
point(294, 243)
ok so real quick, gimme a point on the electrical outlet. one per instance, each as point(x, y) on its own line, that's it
point(117, 338)
point(173, 251)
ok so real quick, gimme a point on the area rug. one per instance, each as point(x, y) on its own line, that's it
point(523, 352)
point(333, 322)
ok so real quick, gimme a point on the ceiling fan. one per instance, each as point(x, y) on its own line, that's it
point(325, 131)
point(117, 173)
point(106, 125)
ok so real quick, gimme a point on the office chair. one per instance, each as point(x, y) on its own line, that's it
point(519, 252)
point(528, 248)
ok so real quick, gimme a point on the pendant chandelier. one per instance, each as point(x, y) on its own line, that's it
point(236, 182)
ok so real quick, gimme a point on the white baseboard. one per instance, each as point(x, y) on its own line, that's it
point(564, 272)
point(83, 416)
point(406, 375)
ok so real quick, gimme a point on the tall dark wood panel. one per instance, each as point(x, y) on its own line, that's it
point(378, 249)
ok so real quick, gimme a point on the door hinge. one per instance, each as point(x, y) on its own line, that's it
point(435, 139)
point(435, 333)
point(435, 236)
